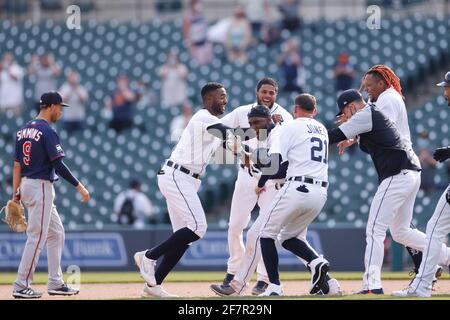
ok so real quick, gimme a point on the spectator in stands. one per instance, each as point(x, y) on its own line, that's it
point(290, 10)
point(195, 29)
point(76, 96)
point(254, 9)
point(238, 36)
point(46, 72)
point(270, 28)
point(146, 95)
point(133, 207)
point(121, 104)
point(174, 81)
point(292, 67)
point(180, 122)
point(343, 73)
point(11, 85)
point(427, 162)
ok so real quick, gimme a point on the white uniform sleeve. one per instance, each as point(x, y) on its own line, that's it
point(385, 105)
point(275, 141)
point(232, 119)
point(285, 143)
point(360, 122)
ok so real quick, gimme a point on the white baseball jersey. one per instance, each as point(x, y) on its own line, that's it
point(304, 143)
point(244, 198)
point(391, 103)
point(238, 117)
point(197, 145)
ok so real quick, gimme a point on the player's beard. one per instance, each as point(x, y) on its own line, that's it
point(217, 108)
point(261, 103)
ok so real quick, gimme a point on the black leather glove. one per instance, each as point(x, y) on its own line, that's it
point(441, 154)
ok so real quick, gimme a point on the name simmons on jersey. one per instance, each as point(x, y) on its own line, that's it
point(29, 133)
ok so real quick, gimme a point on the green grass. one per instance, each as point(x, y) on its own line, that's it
point(197, 276)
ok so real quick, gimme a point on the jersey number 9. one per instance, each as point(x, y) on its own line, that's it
point(317, 148)
point(26, 152)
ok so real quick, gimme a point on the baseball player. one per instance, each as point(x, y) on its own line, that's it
point(38, 158)
point(399, 177)
point(437, 228)
point(304, 144)
point(243, 201)
point(179, 182)
point(260, 121)
point(384, 90)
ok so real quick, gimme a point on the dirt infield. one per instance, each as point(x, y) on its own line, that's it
point(201, 289)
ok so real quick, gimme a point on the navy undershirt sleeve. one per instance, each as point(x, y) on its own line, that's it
point(64, 172)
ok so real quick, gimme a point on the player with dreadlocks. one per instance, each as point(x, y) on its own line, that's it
point(384, 90)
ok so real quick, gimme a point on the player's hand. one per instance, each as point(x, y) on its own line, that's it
point(259, 190)
point(441, 154)
point(16, 196)
point(277, 118)
point(255, 172)
point(234, 143)
point(85, 196)
point(340, 119)
point(344, 145)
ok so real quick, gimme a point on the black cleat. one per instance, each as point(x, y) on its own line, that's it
point(259, 288)
point(63, 291)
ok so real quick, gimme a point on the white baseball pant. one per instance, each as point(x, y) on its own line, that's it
point(183, 203)
point(392, 207)
point(243, 201)
point(437, 230)
point(288, 216)
point(44, 225)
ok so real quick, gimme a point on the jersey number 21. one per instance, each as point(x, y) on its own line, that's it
point(317, 150)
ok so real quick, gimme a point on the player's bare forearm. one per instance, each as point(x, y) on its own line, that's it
point(17, 171)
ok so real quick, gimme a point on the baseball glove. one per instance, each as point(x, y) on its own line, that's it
point(15, 216)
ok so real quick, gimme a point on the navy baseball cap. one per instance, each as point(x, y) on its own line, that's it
point(446, 82)
point(50, 98)
point(259, 111)
point(347, 97)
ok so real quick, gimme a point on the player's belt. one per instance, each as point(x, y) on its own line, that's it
point(309, 180)
point(174, 165)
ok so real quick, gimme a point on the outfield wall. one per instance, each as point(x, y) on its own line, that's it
point(112, 250)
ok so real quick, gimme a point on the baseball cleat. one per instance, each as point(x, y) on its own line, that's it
point(227, 279)
point(272, 290)
point(371, 291)
point(147, 269)
point(26, 293)
point(222, 290)
point(259, 288)
point(408, 292)
point(436, 276)
point(63, 291)
point(138, 258)
point(156, 291)
point(319, 269)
